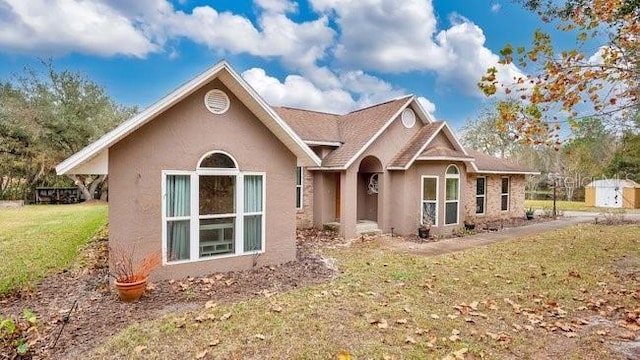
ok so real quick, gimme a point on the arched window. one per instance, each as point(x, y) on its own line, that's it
point(217, 160)
point(452, 195)
point(221, 210)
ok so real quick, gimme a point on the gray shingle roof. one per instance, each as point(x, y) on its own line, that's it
point(415, 144)
point(354, 130)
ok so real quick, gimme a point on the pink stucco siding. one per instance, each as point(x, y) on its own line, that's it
point(176, 140)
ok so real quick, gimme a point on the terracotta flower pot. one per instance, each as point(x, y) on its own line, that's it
point(130, 292)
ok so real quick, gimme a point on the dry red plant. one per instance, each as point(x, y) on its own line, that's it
point(125, 269)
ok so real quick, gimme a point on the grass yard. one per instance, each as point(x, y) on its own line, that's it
point(39, 239)
point(555, 295)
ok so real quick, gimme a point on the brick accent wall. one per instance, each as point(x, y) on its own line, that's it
point(304, 216)
point(493, 197)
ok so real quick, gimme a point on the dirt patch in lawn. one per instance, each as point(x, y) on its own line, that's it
point(95, 312)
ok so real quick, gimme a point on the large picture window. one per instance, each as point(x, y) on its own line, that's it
point(481, 194)
point(452, 195)
point(429, 208)
point(213, 211)
point(504, 194)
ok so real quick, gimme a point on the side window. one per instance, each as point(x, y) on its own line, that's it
point(299, 177)
point(481, 194)
point(504, 194)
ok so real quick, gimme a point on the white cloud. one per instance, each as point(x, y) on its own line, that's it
point(370, 89)
point(296, 91)
point(427, 105)
point(404, 38)
point(386, 35)
point(468, 58)
point(357, 90)
point(65, 26)
point(278, 6)
point(495, 7)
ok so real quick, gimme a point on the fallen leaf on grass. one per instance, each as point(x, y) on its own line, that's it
point(435, 317)
point(432, 342)
point(501, 337)
point(210, 304)
point(459, 354)
point(138, 349)
point(201, 354)
point(225, 316)
point(214, 343)
point(277, 308)
point(628, 335)
point(382, 323)
point(409, 340)
point(476, 313)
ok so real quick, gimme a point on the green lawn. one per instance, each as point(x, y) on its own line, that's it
point(562, 205)
point(39, 239)
point(537, 297)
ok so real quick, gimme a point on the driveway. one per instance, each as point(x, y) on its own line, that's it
point(445, 246)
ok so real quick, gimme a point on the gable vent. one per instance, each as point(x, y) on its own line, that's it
point(408, 118)
point(216, 101)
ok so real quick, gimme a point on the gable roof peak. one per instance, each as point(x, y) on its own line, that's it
point(403, 98)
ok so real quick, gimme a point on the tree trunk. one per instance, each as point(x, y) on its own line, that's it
point(87, 185)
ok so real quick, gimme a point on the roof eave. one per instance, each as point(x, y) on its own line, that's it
point(508, 172)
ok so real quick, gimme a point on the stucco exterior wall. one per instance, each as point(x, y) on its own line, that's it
point(384, 148)
point(493, 197)
point(408, 185)
point(176, 140)
point(304, 216)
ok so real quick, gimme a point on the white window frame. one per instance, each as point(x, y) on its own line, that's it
point(483, 196)
point(165, 218)
point(194, 229)
point(422, 201)
point(457, 201)
point(300, 187)
point(261, 212)
point(507, 194)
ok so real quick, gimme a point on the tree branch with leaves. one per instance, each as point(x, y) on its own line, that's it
point(570, 85)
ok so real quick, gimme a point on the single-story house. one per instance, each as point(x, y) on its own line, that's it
point(613, 193)
point(218, 180)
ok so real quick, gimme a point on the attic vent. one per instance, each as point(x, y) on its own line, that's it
point(408, 118)
point(216, 101)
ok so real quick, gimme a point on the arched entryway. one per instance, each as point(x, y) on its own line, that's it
point(369, 187)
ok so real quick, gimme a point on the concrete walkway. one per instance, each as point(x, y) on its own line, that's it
point(462, 243)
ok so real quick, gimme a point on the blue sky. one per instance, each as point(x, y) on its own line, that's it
point(327, 55)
